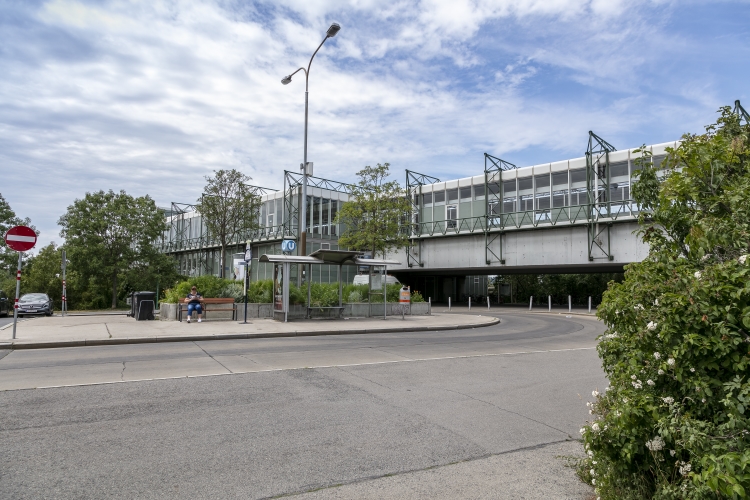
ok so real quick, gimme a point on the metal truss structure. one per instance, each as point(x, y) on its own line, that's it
point(493, 193)
point(293, 198)
point(741, 112)
point(598, 184)
point(414, 183)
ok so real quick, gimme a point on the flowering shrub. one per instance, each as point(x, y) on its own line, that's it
point(674, 421)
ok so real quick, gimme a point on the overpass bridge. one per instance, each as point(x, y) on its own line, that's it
point(570, 216)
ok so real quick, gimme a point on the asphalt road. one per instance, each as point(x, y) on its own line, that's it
point(430, 414)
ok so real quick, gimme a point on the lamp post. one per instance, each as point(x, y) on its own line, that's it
point(303, 223)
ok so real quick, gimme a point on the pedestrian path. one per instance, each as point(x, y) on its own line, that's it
point(88, 330)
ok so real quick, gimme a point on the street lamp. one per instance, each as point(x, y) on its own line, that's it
point(286, 80)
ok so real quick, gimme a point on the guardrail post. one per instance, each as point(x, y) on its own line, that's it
point(570, 304)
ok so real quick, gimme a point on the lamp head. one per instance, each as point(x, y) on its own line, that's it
point(286, 80)
point(333, 30)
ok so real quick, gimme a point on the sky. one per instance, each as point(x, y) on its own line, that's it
point(152, 96)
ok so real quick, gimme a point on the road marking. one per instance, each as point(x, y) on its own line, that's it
point(305, 368)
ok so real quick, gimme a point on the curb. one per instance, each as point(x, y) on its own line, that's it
point(234, 336)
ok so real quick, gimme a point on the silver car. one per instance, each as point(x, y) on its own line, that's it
point(35, 303)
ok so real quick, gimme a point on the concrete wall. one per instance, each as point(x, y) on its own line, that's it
point(560, 249)
point(168, 312)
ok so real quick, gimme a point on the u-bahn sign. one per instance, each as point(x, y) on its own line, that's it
point(20, 238)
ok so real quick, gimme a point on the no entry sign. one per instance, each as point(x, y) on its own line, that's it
point(20, 238)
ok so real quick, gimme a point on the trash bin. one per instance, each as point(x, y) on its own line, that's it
point(143, 305)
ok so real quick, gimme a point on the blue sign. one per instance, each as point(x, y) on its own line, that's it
point(288, 246)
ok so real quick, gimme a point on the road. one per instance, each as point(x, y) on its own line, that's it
point(431, 414)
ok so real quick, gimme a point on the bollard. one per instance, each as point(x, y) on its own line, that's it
point(469, 303)
point(429, 306)
point(449, 303)
point(570, 304)
point(589, 304)
point(531, 302)
point(549, 303)
point(488, 303)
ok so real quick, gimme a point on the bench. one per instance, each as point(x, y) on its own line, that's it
point(214, 305)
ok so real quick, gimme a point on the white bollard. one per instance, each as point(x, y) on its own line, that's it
point(488, 303)
point(531, 302)
point(449, 303)
point(549, 303)
point(589, 304)
point(429, 306)
point(570, 304)
point(469, 303)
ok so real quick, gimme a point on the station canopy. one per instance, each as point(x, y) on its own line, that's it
point(336, 257)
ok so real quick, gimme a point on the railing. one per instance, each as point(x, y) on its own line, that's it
point(580, 214)
point(260, 234)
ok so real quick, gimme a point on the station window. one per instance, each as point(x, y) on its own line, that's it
point(427, 198)
point(578, 175)
point(478, 191)
point(509, 187)
point(451, 215)
point(525, 183)
point(542, 181)
point(560, 179)
point(439, 197)
point(465, 193)
point(452, 195)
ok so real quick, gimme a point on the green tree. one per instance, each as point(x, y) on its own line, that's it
point(674, 422)
point(229, 209)
point(374, 215)
point(108, 235)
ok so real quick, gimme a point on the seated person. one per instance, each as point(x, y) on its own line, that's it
point(193, 301)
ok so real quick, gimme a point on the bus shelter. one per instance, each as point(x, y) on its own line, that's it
point(341, 258)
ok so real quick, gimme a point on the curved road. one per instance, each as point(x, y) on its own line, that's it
point(472, 413)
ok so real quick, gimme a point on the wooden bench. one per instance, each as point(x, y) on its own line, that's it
point(214, 305)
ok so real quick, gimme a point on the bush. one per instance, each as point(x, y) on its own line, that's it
point(674, 422)
point(208, 286)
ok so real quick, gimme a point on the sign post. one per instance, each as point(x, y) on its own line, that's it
point(248, 267)
point(20, 239)
point(64, 305)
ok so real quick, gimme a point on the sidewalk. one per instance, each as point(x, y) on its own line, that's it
point(88, 330)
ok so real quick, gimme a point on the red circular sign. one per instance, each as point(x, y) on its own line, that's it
point(20, 238)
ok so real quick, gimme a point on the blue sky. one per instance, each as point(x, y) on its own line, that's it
point(152, 96)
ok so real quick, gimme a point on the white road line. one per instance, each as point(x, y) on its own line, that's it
point(304, 368)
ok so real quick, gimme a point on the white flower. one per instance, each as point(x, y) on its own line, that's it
point(633, 377)
point(705, 257)
point(590, 453)
point(670, 361)
point(589, 403)
point(651, 326)
point(650, 382)
point(656, 302)
point(657, 355)
point(660, 372)
point(625, 400)
point(703, 400)
point(595, 427)
point(593, 462)
point(592, 472)
point(593, 481)
point(698, 274)
point(582, 431)
point(656, 444)
point(692, 370)
point(595, 393)
point(742, 259)
point(671, 452)
point(685, 468)
point(637, 384)
point(669, 400)
point(638, 307)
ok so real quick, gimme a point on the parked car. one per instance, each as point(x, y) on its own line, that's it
point(35, 303)
point(6, 306)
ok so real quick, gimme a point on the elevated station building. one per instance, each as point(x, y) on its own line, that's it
point(569, 216)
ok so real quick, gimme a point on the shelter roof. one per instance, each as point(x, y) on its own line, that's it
point(344, 257)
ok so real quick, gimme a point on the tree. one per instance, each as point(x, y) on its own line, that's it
point(229, 208)
point(374, 215)
point(8, 219)
point(674, 422)
point(108, 234)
